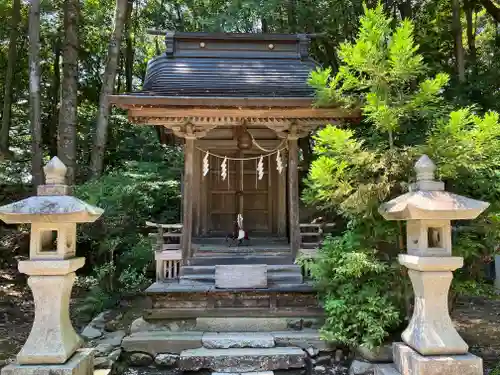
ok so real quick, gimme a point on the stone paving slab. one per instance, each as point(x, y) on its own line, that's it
point(157, 342)
point(226, 340)
point(244, 373)
point(304, 339)
point(242, 360)
point(385, 369)
point(241, 324)
point(241, 276)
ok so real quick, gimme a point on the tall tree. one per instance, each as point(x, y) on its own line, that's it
point(457, 36)
point(471, 31)
point(53, 116)
point(35, 120)
point(66, 145)
point(129, 49)
point(108, 82)
point(9, 78)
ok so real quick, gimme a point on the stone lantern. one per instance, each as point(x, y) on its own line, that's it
point(53, 215)
point(433, 346)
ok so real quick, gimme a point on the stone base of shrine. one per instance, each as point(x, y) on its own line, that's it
point(81, 363)
point(192, 301)
point(408, 362)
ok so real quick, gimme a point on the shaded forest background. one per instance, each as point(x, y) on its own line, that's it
point(90, 48)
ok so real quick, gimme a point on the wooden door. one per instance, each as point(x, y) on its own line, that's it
point(241, 192)
point(257, 204)
point(222, 204)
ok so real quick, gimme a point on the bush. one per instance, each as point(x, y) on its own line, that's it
point(360, 296)
point(118, 250)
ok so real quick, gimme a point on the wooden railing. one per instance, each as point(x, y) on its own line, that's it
point(168, 255)
point(312, 236)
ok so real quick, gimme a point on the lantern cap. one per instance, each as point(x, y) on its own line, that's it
point(427, 200)
point(53, 204)
point(55, 172)
point(425, 169)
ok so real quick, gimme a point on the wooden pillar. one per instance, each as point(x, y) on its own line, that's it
point(293, 189)
point(281, 204)
point(187, 198)
point(240, 175)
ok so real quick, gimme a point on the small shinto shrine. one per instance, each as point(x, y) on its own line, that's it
point(239, 103)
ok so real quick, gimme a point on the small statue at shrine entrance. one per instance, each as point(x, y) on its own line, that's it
point(238, 235)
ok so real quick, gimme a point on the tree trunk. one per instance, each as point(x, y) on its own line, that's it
point(56, 97)
point(108, 81)
point(66, 146)
point(492, 9)
point(129, 50)
point(265, 27)
point(119, 74)
point(471, 32)
point(457, 36)
point(9, 78)
point(292, 15)
point(35, 121)
point(405, 9)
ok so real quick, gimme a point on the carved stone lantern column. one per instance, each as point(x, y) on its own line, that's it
point(433, 346)
point(53, 215)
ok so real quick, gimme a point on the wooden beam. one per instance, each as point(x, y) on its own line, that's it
point(230, 144)
point(187, 228)
point(278, 113)
point(128, 101)
point(293, 195)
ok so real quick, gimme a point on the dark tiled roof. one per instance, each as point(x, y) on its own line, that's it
point(231, 65)
point(228, 77)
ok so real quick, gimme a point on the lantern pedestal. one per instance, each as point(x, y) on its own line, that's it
point(52, 339)
point(408, 362)
point(81, 363)
point(431, 331)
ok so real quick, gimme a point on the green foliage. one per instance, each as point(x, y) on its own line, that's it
point(356, 169)
point(118, 250)
point(359, 292)
point(379, 72)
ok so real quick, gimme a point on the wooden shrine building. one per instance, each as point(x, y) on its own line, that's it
point(239, 102)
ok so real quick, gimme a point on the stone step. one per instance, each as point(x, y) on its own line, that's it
point(242, 359)
point(241, 324)
point(295, 313)
point(241, 252)
point(226, 340)
point(272, 278)
point(246, 259)
point(205, 270)
point(156, 342)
